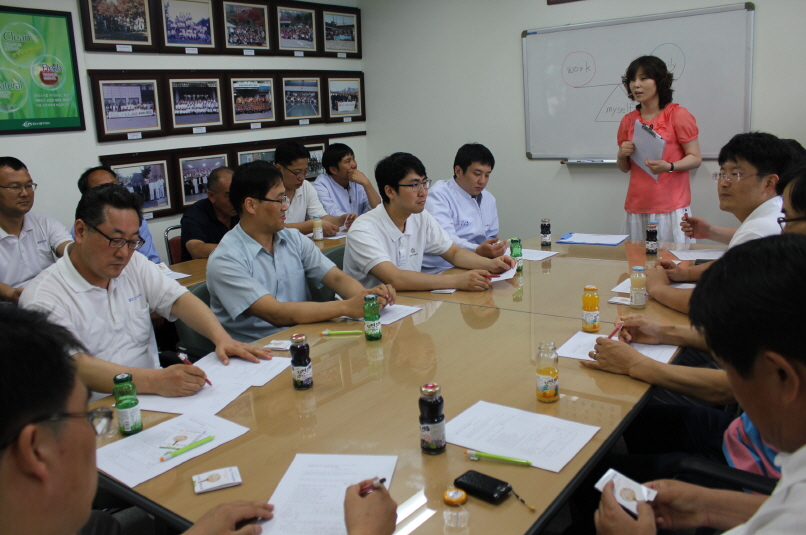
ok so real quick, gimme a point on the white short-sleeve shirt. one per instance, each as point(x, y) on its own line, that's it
point(304, 205)
point(762, 222)
point(23, 258)
point(373, 238)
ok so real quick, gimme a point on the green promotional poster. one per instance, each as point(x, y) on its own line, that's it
point(39, 89)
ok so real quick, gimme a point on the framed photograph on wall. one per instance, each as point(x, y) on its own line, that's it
point(252, 101)
point(186, 26)
point(315, 167)
point(302, 100)
point(193, 170)
point(342, 32)
point(195, 104)
point(149, 176)
point(248, 154)
point(127, 106)
point(245, 27)
point(345, 100)
point(118, 26)
point(296, 29)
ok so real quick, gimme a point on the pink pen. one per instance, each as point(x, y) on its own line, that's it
point(376, 484)
point(617, 329)
point(186, 361)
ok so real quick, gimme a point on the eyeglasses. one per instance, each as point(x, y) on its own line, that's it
point(731, 177)
point(297, 173)
point(415, 187)
point(782, 221)
point(118, 243)
point(100, 419)
point(285, 200)
point(18, 189)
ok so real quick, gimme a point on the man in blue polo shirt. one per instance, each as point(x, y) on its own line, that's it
point(342, 188)
point(257, 274)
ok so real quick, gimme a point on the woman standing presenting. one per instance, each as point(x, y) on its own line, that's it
point(668, 198)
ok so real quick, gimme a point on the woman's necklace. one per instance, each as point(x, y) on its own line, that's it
point(650, 118)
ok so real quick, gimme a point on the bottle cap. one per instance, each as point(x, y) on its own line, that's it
point(430, 389)
point(298, 338)
point(122, 378)
point(591, 288)
point(454, 497)
point(370, 297)
point(545, 220)
point(638, 268)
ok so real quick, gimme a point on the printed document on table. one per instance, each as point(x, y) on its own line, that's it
point(579, 345)
point(175, 275)
point(548, 442)
point(624, 286)
point(699, 254)
point(242, 371)
point(208, 400)
point(392, 314)
point(536, 255)
point(310, 498)
point(648, 146)
point(505, 276)
point(593, 239)
point(136, 458)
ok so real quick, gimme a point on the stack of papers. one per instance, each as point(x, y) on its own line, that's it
point(593, 239)
point(579, 345)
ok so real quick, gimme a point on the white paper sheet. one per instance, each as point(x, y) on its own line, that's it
point(242, 371)
point(444, 291)
point(624, 286)
point(278, 345)
point(175, 275)
point(699, 254)
point(548, 442)
point(505, 276)
point(593, 239)
point(342, 233)
point(536, 255)
point(579, 345)
point(136, 459)
point(208, 400)
point(310, 498)
point(648, 146)
point(392, 314)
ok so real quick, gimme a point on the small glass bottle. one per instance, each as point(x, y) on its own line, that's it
point(372, 317)
point(652, 238)
point(301, 367)
point(127, 405)
point(545, 232)
point(317, 228)
point(432, 421)
point(548, 381)
point(590, 309)
point(516, 251)
point(517, 295)
point(455, 516)
point(638, 287)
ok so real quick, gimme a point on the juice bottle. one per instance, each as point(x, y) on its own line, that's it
point(590, 309)
point(638, 288)
point(548, 381)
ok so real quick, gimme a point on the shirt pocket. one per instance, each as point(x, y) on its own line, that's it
point(139, 327)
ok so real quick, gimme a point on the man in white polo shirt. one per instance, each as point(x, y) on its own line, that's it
point(464, 209)
point(387, 243)
point(29, 242)
point(104, 294)
point(342, 188)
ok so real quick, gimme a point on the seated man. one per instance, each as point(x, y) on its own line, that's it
point(47, 446)
point(95, 176)
point(749, 168)
point(387, 243)
point(291, 158)
point(206, 221)
point(755, 335)
point(29, 242)
point(103, 293)
point(342, 188)
point(257, 274)
point(464, 209)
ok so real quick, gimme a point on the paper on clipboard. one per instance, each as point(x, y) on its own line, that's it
point(648, 146)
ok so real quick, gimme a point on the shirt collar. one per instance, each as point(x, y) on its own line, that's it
point(27, 226)
point(72, 277)
point(390, 226)
point(458, 189)
point(251, 245)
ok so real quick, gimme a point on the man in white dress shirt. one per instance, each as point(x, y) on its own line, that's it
point(387, 243)
point(342, 188)
point(464, 209)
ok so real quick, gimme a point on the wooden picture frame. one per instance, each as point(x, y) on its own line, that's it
point(193, 167)
point(315, 167)
point(195, 103)
point(245, 27)
point(252, 100)
point(302, 98)
point(127, 105)
point(150, 175)
point(110, 26)
point(252, 152)
point(187, 26)
point(296, 29)
point(345, 97)
point(341, 32)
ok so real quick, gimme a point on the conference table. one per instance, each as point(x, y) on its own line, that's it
point(476, 346)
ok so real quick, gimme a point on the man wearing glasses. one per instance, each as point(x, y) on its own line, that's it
point(29, 242)
point(206, 222)
point(291, 158)
point(104, 293)
point(387, 243)
point(257, 274)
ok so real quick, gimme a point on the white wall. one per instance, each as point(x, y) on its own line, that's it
point(55, 161)
point(440, 73)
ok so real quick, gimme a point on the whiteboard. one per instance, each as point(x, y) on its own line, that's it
point(574, 99)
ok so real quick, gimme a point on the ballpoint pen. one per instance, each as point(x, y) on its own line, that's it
point(376, 484)
point(476, 455)
point(617, 329)
point(189, 447)
point(185, 360)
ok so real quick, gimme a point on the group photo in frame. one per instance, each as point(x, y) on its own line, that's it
point(245, 27)
point(342, 37)
point(126, 104)
point(253, 154)
point(301, 99)
point(196, 102)
point(252, 100)
point(187, 24)
point(147, 175)
point(315, 167)
point(194, 171)
point(296, 28)
point(119, 26)
point(345, 92)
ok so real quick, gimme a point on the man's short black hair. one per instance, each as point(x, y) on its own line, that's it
point(215, 177)
point(796, 176)
point(333, 155)
point(253, 179)
point(12, 162)
point(798, 160)
point(471, 153)
point(768, 154)
point(288, 151)
point(39, 375)
point(91, 206)
point(751, 300)
point(394, 168)
point(84, 179)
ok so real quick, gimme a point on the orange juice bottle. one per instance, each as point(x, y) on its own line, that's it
point(548, 380)
point(590, 309)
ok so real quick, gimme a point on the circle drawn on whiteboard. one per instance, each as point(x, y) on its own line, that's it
point(22, 44)
point(578, 69)
point(13, 91)
point(49, 73)
point(673, 56)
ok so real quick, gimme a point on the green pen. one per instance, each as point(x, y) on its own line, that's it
point(327, 332)
point(189, 447)
point(476, 455)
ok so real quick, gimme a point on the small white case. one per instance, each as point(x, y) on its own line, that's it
point(217, 479)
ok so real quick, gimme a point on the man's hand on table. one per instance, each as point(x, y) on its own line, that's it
point(223, 519)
